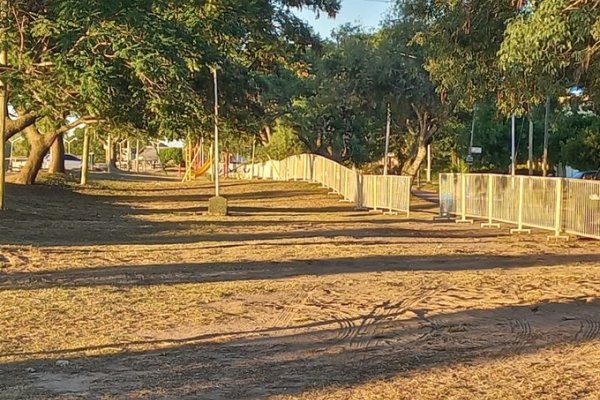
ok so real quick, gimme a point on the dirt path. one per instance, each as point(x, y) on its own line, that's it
point(127, 290)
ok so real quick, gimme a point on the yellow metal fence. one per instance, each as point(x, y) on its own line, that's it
point(390, 193)
point(561, 205)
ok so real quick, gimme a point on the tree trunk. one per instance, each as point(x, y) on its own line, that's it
point(411, 167)
point(85, 157)
point(40, 144)
point(57, 157)
point(111, 151)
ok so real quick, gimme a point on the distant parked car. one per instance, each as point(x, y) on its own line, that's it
point(588, 175)
point(72, 163)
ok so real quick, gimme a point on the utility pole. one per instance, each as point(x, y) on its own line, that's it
point(3, 111)
point(387, 139)
point(513, 168)
point(137, 155)
point(472, 131)
point(530, 159)
point(546, 134)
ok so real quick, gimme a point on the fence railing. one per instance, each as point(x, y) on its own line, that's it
point(561, 205)
point(390, 193)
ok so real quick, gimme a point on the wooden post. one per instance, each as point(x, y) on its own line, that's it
point(85, 159)
point(137, 155)
point(429, 163)
point(109, 153)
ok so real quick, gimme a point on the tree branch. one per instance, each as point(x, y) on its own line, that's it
point(17, 125)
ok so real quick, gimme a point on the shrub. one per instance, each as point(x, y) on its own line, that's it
point(171, 155)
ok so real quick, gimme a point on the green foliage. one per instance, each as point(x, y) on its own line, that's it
point(171, 155)
point(550, 46)
point(576, 138)
point(284, 143)
point(144, 64)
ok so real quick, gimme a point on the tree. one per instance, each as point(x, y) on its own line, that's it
point(141, 63)
point(551, 46)
point(79, 62)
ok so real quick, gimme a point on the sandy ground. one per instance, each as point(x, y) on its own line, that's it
point(126, 290)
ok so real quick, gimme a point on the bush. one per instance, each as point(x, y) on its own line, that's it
point(171, 155)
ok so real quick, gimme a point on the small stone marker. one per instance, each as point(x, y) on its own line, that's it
point(217, 205)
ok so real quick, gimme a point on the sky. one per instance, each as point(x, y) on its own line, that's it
point(367, 13)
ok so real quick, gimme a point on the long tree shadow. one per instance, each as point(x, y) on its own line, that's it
point(44, 216)
point(335, 350)
point(161, 274)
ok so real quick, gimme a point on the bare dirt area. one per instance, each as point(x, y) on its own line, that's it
point(127, 290)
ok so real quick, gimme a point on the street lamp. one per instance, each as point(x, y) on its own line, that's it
point(217, 205)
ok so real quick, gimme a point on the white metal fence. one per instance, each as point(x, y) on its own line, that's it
point(390, 193)
point(560, 205)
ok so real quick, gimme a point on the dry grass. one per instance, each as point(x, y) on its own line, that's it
point(294, 296)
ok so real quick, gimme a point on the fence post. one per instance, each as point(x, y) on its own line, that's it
point(558, 222)
point(520, 209)
point(358, 192)
point(408, 194)
point(390, 192)
point(322, 172)
point(490, 204)
point(374, 194)
point(463, 201)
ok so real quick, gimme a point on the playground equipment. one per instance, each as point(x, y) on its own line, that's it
point(198, 172)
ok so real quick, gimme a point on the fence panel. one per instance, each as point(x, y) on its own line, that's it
point(388, 193)
point(540, 202)
point(581, 211)
point(560, 205)
point(449, 194)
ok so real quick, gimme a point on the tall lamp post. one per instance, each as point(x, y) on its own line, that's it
point(216, 126)
point(217, 205)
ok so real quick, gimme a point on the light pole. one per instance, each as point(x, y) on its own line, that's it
point(217, 205)
point(216, 123)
